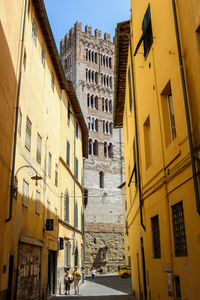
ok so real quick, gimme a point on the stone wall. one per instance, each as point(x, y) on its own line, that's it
point(104, 247)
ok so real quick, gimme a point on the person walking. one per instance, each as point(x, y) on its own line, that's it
point(77, 277)
point(67, 282)
point(93, 273)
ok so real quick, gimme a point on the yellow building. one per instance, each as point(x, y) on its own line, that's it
point(157, 88)
point(36, 210)
point(9, 61)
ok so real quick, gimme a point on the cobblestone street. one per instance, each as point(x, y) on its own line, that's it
point(105, 287)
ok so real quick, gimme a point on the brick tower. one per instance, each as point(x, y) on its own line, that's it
point(88, 61)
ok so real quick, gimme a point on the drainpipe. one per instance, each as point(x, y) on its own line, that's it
point(16, 117)
point(185, 97)
point(136, 139)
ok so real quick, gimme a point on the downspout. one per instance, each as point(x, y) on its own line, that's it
point(136, 139)
point(194, 172)
point(16, 117)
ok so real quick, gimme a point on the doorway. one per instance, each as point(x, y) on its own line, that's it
point(143, 268)
point(51, 271)
point(10, 278)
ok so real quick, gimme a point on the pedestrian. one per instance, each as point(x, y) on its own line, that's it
point(93, 273)
point(67, 282)
point(77, 277)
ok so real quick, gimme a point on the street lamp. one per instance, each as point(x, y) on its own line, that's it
point(14, 186)
point(36, 177)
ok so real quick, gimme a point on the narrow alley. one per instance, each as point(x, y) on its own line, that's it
point(104, 287)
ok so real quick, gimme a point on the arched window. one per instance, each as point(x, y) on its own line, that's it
point(92, 76)
point(107, 81)
point(66, 208)
point(86, 74)
point(110, 128)
point(101, 179)
point(105, 149)
point(110, 150)
point(104, 60)
point(86, 54)
point(96, 77)
point(103, 102)
point(104, 80)
point(92, 101)
point(95, 147)
point(90, 147)
point(110, 106)
point(111, 82)
point(101, 78)
point(89, 55)
point(92, 124)
point(107, 61)
point(106, 105)
point(76, 214)
point(89, 121)
point(106, 127)
point(110, 62)
point(95, 57)
point(101, 59)
point(88, 100)
point(92, 56)
point(96, 102)
point(96, 125)
point(89, 75)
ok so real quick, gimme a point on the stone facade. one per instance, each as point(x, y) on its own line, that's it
point(88, 62)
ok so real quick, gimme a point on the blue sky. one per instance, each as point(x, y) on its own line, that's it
point(100, 14)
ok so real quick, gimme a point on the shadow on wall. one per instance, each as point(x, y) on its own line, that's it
point(34, 246)
point(8, 85)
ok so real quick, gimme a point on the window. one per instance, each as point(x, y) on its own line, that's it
point(76, 168)
point(43, 56)
point(39, 149)
point(68, 111)
point(76, 129)
point(66, 208)
point(19, 127)
point(56, 216)
point(49, 164)
point(68, 154)
point(37, 202)
point(168, 114)
point(155, 237)
point(135, 163)
point(101, 179)
point(34, 31)
point(147, 142)
point(171, 116)
point(56, 175)
point(48, 209)
point(180, 245)
point(177, 287)
point(76, 215)
point(147, 35)
point(28, 134)
point(67, 258)
point(95, 149)
point(25, 193)
point(110, 150)
point(130, 88)
point(198, 36)
point(52, 81)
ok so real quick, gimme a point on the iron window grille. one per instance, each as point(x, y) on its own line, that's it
point(180, 244)
point(156, 237)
